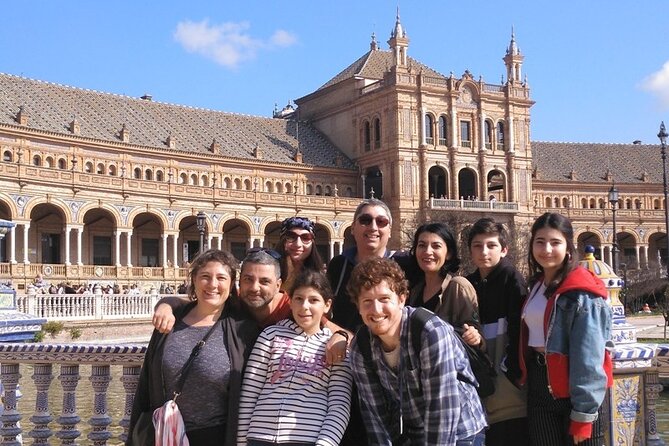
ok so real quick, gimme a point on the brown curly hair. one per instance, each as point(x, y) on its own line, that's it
point(372, 272)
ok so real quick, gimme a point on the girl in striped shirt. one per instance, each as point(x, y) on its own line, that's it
point(290, 395)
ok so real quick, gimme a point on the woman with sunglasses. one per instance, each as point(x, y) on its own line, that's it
point(298, 251)
point(451, 297)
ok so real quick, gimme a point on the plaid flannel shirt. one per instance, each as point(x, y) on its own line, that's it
point(436, 408)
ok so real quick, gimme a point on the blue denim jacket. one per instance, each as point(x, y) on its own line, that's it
point(577, 324)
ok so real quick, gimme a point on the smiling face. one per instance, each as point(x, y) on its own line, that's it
point(308, 308)
point(549, 249)
point(431, 252)
point(371, 231)
point(486, 252)
point(381, 310)
point(212, 285)
point(298, 244)
point(258, 284)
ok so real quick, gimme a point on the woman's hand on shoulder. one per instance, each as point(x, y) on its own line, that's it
point(163, 318)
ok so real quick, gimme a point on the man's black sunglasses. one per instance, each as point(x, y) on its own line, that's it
point(366, 220)
point(272, 253)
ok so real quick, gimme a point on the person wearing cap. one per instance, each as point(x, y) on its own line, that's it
point(297, 247)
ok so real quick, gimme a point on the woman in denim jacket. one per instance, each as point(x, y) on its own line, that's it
point(566, 326)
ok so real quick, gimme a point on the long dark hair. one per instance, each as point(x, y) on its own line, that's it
point(453, 263)
point(562, 224)
point(313, 261)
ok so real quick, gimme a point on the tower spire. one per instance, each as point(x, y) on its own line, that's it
point(513, 60)
point(373, 45)
point(399, 43)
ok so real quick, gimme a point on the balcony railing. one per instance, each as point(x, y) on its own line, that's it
point(126, 362)
point(443, 203)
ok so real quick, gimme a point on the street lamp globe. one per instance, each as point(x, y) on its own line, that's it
point(613, 196)
point(613, 199)
point(200, 219)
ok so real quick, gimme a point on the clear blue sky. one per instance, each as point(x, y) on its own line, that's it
point(598, 69)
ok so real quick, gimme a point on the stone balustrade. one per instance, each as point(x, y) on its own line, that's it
point(78, 307)
point(67, 359)
point(473, 205)
point(636, 392)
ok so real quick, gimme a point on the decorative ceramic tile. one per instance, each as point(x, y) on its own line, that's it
point(627, 402)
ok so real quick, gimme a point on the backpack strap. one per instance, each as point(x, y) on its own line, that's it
point(418, 320)
point(365, 346)
point(341, 279)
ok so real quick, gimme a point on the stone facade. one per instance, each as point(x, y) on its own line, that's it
point(106, 187)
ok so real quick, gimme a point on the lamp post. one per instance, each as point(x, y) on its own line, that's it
point(613, 199)
point(200, 220)
point(663, 146)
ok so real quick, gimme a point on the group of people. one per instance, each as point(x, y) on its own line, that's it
point(368, 353)
point(42, 286)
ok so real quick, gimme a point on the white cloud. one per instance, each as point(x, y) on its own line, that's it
point(658, 84)
point(283, 38)
point(228, 44)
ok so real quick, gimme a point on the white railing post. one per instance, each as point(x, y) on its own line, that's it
point(97, 292)
point(31, 294)
point(155, 297)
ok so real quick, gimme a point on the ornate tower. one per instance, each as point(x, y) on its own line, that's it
point(513, 60)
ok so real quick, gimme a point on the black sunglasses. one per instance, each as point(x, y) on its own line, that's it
point(306, 237)
point(366, 220)
point(270, 252)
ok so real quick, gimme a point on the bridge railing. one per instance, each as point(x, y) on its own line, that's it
point(65, 360)
point(74, 307)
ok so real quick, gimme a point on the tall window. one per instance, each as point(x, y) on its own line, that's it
point(465, 134)
point(377, 133)
point(500, 135)
point(429, 129)
point(443, 128)
point(367, 136)
point(488, 135)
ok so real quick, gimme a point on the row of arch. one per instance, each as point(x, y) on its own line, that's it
point(99, 237)
point(602, 203)
point(467, 184)
point(635, 251)
point(191, 179)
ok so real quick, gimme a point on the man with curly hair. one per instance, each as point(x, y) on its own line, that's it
point(409, 396)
